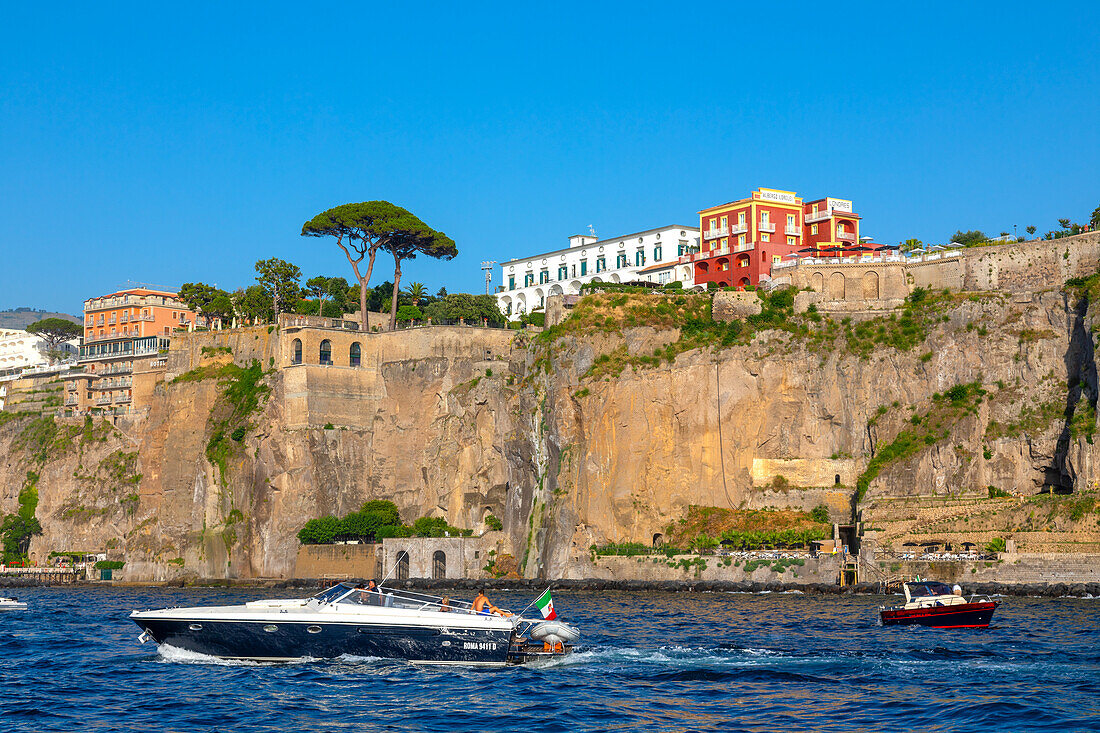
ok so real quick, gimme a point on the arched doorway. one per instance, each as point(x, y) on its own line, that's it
point(439, 565)
point(817, 282)
point(402, 569)
point(297, 359)
point(743, 282)
point(325, 352)
point(355, 354)
point(658, 539)
point(836, 286)
point(870, 285)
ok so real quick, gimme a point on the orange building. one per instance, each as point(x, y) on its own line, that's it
point(741, 240)
point(125, 333)
point(134, 313)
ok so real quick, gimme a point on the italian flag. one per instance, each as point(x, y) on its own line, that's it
point(545, 604)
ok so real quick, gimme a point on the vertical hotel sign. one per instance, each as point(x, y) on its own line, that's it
point(839, 205)
point(782, 197)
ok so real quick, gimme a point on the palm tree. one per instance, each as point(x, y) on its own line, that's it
point(416, 292)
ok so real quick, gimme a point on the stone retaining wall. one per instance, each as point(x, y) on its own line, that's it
point(354, 561)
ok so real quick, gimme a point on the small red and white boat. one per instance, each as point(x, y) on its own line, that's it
point(928, 603)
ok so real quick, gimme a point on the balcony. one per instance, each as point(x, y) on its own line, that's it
point(719, 252)
point(70, 401)
point(716, 233)
point(122, 399)
point(740, 229)
point(813, 216)
point(846, 236)
point(104, 400)
point(124, 318)
point(794, 231)
point(767, 226)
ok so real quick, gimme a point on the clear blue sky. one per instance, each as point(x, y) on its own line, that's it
point(174, 144)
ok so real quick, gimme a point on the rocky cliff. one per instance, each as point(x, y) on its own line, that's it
point(604, 429)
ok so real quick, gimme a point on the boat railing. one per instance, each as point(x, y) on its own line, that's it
point(395, 598)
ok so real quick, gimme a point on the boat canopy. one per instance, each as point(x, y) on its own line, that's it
point(328, 595)
point(929, 588)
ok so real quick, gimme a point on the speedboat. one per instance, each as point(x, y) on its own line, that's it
point(350, 620)
point(12, 604)
point(928, 603)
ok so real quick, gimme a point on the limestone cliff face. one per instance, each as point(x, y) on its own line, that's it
point(460, 423)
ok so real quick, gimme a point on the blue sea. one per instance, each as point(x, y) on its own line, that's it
point(647, 662)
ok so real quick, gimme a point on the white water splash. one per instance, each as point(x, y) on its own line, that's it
point(173, 654)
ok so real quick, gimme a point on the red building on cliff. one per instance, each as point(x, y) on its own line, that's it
point(740, 241)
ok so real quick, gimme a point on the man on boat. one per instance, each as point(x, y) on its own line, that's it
point(484, 607)
point(369, 595)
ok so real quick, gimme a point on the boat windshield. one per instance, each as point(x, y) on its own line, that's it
point(929, 588)
point(331, 594)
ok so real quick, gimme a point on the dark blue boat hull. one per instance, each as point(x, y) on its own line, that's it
point(294, 640)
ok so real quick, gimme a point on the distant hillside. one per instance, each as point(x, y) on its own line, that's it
point(23, 317)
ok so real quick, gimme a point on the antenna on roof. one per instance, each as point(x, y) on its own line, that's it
point(592, 230)
point(488, 265)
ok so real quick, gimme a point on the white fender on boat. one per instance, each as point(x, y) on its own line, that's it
point(554, 632)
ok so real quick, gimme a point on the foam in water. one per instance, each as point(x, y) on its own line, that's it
point(169, 653)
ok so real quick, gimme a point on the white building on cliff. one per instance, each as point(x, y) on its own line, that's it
point(650, 256)
point(21, 350)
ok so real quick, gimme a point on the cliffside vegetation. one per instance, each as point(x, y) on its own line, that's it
point(704, 529)
point(41, 440)
point(375, 521)
point(242, 392)
point(928, 428)
point(691, 314)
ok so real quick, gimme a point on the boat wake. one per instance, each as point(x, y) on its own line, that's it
point(172, 654)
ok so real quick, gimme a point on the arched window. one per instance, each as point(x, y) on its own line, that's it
point(297, 351)
point(439, 565)
point(355, 354)
point(326, 352)
point(402, 572)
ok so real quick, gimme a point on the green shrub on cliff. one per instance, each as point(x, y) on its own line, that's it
point(16, 532)
point(408, 313)
point(375, 521)
point(320, 531)
point(472, 308)
point(927, 429)
point(242, 390)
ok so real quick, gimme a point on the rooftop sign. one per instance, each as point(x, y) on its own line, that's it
point(838, 205)
point(783, 197)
